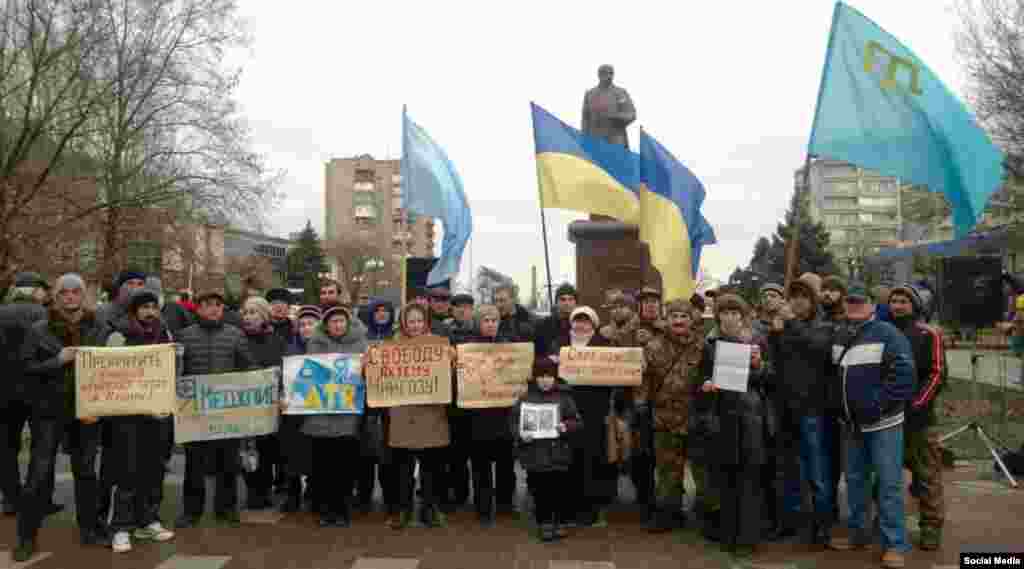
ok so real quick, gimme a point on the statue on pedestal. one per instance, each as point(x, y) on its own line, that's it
point(609, 253)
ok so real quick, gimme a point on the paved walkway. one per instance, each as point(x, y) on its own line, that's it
point(994, 367)
point(983, 514)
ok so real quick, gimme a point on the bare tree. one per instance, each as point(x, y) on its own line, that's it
point(990, 44)
point(359, 258)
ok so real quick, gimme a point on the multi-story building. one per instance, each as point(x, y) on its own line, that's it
point(861, 209)
point(364, 206)
point(241, 244)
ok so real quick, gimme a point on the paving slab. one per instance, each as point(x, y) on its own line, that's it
point(7, 563)
point(385, 563)
point(194, 562)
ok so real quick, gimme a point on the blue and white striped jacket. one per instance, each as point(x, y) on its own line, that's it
point(877, 376)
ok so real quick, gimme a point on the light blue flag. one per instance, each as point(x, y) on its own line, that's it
point(881, 108)
point(433, 188)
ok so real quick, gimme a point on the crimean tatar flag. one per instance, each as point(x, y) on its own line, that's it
point(881, 108)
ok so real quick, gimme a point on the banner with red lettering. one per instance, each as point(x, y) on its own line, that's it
point(125, 381)
point(601, 366)
point(416, 371)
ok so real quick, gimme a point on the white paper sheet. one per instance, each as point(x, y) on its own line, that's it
point(539, 420)
point(732, 366)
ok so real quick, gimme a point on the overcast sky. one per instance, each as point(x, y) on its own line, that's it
point(729, 87)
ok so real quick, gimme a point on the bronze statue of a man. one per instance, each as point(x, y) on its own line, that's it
point(607, 109)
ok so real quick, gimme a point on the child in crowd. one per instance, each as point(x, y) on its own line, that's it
point(547, 460)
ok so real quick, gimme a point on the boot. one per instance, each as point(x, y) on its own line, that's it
point(24, 551)
point(292, 504)
point(711, 529)
point(439, 519)
point(547, 533)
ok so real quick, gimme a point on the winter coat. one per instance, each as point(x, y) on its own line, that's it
point(547, 333)
point(623, 336)
point(378, 332)
point(548, 455)
point(296, 447)
point(353, 342)
point(283, 329)
point(440, 325)
point(52, 384)
point(214, 347)
point(266, 348)
point(745, 420)
point(877, 375)
point(462, 332)
point(123, 333)
point(418, 426)
point(519, 325)
point(15, 320)
point(667, 384)
point(804, 373)
point(930, 365)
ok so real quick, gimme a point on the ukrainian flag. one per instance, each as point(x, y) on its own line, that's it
point(582, 173)
point(670, 219)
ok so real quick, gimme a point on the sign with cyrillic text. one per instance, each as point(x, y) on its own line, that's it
point(324, 384)
point(493, 375)
point(226, 406)
point(415, 371)
point(125, 381)
point(601, 366)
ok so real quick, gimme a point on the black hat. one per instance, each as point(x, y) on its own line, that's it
point(30, 279)
point(440, 293)
point(208, 295)
point(125, 276)
point(141, 296)
point(566, 289)
point(462, 298)
point(279, 295)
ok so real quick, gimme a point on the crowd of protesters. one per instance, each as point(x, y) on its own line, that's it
point(837, 386)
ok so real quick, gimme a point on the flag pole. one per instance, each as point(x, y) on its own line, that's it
point(792, 256)
point(544, 233)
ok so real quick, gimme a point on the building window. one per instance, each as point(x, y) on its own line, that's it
point(365, 214)
point(877, 202)
point(396, 192)
point(840, 203)
point(396, 202)
point(837, 235)
point(365, 176)
point(363, 186)
point(396, 179)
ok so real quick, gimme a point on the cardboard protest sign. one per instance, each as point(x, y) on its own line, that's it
point(125, 381)
point(601, 366)
point(493, 375)
point(324, 384)
point(226, 406)
point(415, 371)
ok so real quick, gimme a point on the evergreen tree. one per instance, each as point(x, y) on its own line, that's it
point(305, 263)
point(770, 260)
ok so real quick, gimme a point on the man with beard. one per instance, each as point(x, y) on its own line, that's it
point(440, 308)
point(646, 325)
point(772, 301)
point(833, 299)
point(212, 347)
point(620, 331)
point(649, 322)
point(921, 446)
point(801, 352)
point(516, 322)
point(48, 354)
point(667, 388)
point(135, 460)
point(833, 304)
point(556, 324)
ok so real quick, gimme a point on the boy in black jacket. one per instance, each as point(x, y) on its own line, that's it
point(547, 461)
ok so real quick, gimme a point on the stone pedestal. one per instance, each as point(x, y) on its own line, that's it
point(609, 254)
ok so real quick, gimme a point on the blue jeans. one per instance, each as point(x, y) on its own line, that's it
point(881, 451)
point(815, 440)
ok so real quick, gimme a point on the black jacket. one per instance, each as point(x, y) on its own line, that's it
point(284, 330)
point(267, 349)
point(487, 424)
point(15, 320)
point(547, 455)
point(52, 386)
point(546, 334)
point(804, 372)
point(177, 317)
point(745, 420)
point(214, 347)
point(123, 326)
point(519, 325)
point(930, 365)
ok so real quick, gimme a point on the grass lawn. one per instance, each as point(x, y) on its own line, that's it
point(1001, 413)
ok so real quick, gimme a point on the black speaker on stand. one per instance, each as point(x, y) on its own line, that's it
point(971, 294)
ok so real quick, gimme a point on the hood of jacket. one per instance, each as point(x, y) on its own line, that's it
point(380, 330)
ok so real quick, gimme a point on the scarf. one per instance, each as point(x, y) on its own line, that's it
point(149, 332)
point(67, 327)
point(579, 340)
point(260, 329)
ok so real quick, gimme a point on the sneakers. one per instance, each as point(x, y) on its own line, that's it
point(893, 560)
point(122, 542)
point(154, 532)
point(847, 544)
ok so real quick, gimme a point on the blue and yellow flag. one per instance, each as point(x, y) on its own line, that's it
point(881, 108)
point(670, 219)
point(583, 173)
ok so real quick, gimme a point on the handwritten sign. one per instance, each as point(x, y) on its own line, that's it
point(416, 371)
point(125, 381)
point(324, 384)
point(601, 366)
point(493, 375)
point(226, 406)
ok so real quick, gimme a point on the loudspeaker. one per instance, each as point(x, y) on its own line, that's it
point(970, 290)
point(416, 271)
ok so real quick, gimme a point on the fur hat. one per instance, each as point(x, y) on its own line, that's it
point(587, 312)
point(648, 292)
point(810, 282)
point(731, 302)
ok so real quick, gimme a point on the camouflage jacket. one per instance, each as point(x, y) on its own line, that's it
point(668, 381)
